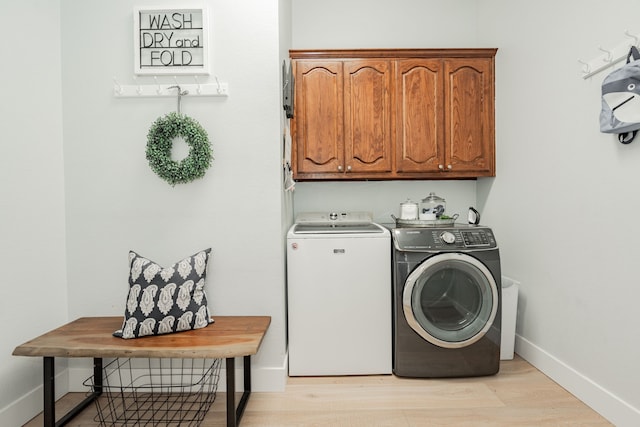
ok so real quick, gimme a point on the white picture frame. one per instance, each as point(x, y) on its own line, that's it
point(173, 41)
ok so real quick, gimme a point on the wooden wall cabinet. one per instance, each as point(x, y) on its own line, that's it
point(393, 114)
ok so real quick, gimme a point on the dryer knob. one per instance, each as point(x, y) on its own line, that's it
point(448, 237)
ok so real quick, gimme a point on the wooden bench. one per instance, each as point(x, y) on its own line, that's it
point(227, 338)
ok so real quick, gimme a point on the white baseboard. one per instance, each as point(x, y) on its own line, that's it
point(31, 404)
point(263, 379)
point(19, 412)
point(614, 409)
point(273, 379)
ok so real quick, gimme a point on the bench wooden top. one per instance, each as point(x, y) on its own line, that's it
point(228, 336)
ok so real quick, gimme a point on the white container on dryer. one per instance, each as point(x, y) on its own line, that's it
point(339, 298)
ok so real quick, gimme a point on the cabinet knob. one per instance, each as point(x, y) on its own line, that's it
point(449, 167)
point(348, 168)
point(441, 167)
point(339, 168)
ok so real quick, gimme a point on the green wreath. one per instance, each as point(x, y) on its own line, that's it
point(160, 141)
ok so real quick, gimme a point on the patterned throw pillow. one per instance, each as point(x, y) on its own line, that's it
point(164, 300)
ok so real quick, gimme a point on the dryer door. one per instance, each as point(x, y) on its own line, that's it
point(451, 300)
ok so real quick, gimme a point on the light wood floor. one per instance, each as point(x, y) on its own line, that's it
point(519, 395)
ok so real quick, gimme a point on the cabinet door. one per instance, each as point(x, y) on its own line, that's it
point(318, 118)
point(469, 117)
point(367, 114)
point(419, 115)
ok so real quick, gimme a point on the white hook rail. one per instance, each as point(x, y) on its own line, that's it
point(608, 57)
point(220, 89)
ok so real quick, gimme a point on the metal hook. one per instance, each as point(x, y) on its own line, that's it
point(608, 52)
point(139, 88)
point(199, 89)
point(180, 94)
point(586, 66)
point(158, 88)
point(117, 87)
point(218, 83)
point(635, 38)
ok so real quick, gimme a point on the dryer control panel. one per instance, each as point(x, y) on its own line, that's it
point(449, 238)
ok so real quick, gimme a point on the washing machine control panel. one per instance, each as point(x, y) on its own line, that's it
point(448, 237)
point(458, 238)
point(475, 239)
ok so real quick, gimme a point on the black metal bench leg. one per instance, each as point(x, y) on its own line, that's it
point(235, 415)
point(49, 385)
point(231, 392)
point(247, 388)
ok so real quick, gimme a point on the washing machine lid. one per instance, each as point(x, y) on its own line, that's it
point(370, 228)
point(328, 218)
point(335, 223)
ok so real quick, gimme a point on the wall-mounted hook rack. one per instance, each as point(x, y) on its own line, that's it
point(635, 38)
point(168, 90)
point(608, 57)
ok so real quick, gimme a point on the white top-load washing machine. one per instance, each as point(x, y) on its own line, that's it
point(339, 295)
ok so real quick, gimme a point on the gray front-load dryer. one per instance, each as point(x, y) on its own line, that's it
point(446, 301)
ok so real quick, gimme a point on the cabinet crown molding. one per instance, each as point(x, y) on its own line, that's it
point(392, 53)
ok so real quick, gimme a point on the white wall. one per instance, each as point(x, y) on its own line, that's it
point(116, 203)
point(335, 24)
point(111, 199)
point(382, 24)
point(32, 224)
point(285, 9)
point(565, 200)
point(563, 203)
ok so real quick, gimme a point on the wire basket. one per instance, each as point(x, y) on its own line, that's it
point(156, 392)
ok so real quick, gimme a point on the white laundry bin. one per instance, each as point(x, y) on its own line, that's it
point(509, 315)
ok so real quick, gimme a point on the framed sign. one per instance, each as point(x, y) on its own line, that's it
point(171, 41)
